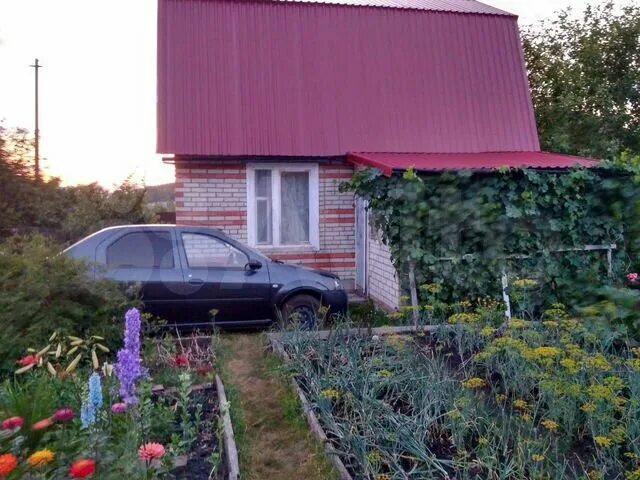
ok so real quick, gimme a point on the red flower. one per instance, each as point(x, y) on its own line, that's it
point(42, 425)
point(64, 415)
point(181, 360)
point(12, 423)
point(632, 277)
point(83, 469)
point(28, 360)
point(8, 463)
point(204, 370)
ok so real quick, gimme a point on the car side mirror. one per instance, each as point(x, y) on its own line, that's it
point(253, 265)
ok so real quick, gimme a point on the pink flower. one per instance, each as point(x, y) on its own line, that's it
point(12, 423)
point(28, 360)
point(119, 407)
point(633, 277)
point(42, 425)
point(151, 451)
point(64, 415)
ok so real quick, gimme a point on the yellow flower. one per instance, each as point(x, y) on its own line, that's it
point(618, 434)
point(330, 394)
point(600, 392)
point(432, 288)
point(520, 404)
point(636, 351)
point(634, 364)
point(385, 373)
point(474, 383)
point(546, 352)
point(597, 362)
point(518, 324)
point(551, 324)
point(487, 332)
point(398, 342)
point(537, 458)
point(525, 283)
point(41, 458)
point(603, 442)
point(570, 365)
point(483, 441)
point(550, 425)
point(464, 318)
point(374, 457)
point(614, 383)
point(501, 398)
point(383, 476)
point(454, 414)
point(588, 407)
point(632, 475)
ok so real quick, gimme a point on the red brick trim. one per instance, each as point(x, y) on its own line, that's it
point(313, 256)
point(209, 176)
point(337, 211)
point(213, 213)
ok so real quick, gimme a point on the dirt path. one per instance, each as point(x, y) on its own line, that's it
point(273, 438)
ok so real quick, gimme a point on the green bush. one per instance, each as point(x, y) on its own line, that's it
point(42, 291)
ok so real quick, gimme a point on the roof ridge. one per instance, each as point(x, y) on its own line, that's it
point(463, 7)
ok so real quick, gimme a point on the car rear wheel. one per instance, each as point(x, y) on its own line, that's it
point(301, 310)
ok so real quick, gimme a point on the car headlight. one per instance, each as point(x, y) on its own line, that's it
point(336, 284)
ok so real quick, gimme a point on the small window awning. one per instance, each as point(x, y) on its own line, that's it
point(439, 162)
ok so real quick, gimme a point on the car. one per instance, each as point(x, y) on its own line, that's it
point(190, 276)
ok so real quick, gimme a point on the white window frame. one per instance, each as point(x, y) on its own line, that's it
point(276, 199)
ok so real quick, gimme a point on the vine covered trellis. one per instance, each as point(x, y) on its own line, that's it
point(529, 222)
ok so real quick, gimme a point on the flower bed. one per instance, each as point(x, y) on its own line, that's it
point(69, 412)
point(551, 399)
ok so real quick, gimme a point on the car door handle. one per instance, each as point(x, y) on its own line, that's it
point(196, 281)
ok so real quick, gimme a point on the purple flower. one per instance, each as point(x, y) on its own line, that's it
point(129, 367)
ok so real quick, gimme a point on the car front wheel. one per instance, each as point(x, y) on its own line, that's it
point(301, 310)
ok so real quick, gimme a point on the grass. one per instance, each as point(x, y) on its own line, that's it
point(273, 438)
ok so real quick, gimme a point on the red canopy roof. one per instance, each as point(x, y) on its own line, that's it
point(437, 162)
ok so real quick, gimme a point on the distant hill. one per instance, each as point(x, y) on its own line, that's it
point(161, 193)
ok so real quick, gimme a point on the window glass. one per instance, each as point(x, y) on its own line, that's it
point(141, 250)
point(205, 251)
point(294, 217)
point(263, 207)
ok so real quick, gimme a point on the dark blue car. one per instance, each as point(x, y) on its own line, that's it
point(190, 275)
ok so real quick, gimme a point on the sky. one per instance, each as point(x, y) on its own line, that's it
point(97, 84)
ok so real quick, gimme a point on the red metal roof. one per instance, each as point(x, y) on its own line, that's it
point(308, 79)
point(455, 6)
point(433, 162)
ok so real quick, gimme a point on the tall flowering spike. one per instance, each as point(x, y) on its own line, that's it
point(95, 391)
point(87, 414)
point(129, 367)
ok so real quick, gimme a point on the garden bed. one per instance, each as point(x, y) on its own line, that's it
point(70, 412)
point(550, 399)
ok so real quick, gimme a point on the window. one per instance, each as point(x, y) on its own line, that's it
point(141, 250)
point(204, 251)
point(282, 205)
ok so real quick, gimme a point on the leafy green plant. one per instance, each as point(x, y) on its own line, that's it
point(41, 289)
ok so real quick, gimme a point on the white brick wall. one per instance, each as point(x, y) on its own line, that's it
point(215, 194)
point(383, 283)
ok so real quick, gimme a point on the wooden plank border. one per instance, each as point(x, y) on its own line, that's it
point(312, 419)
point(230, 448)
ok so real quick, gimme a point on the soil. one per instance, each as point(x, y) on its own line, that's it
point(198, 466)
point(277, 446)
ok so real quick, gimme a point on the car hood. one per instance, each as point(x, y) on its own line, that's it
point(278, 265)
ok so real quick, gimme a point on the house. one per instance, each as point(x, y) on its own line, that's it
point(266, 106)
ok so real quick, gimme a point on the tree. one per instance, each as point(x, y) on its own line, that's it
point(584, 73)
point(64, 213)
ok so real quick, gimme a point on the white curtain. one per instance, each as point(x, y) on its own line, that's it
point(294, 225)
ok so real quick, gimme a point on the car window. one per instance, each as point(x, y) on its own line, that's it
point(205, 251)
point(141, 250)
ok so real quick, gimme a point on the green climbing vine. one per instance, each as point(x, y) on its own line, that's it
point(460, 229)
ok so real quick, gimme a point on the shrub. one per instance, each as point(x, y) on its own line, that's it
point(42, 290)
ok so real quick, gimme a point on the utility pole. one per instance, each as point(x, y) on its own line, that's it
point(36, 66)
